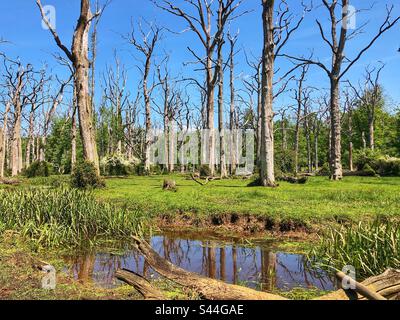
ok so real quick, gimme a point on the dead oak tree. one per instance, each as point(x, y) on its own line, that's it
point(78, 55)
point(200, 21)
point(146, 45)
point(276, 34)
point(341, 64)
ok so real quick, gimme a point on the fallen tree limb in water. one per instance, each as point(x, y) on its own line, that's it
point(209, 289)
point(386, 285)
point(141, 284)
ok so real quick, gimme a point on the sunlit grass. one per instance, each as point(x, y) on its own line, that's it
point(354, 198)
point(370, 247)
point(64, 217)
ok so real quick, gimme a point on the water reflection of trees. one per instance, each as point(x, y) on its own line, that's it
point(258, 267)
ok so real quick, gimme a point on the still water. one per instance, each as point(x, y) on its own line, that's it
point(261, 266)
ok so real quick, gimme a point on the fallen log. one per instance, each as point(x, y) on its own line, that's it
point(141, 284)
point(207, 180)
point(386, 285)
point(360, 288)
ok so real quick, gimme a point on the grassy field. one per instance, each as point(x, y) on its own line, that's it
point(353, 198)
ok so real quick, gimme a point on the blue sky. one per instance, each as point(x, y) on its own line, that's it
point(20, 24)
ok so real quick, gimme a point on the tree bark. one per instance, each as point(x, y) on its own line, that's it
point(222, 152)
point(336, 134)
point(267, 173)
point(3, 140)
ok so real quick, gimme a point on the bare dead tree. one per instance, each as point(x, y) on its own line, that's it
point(349, 102)
point(36, 100)
point(232, 108)
point(341, 64)
point(301, 97)
point(17, 79)
point(168, 111)
point(116, 94)
point(276, 35)
point(78, 55)
point(200, 21)
point(146, 45)
point(3, 136)
point(369, 96)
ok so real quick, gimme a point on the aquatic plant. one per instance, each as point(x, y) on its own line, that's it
point(370, 247)
point(65, 217)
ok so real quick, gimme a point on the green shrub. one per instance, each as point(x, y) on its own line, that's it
point(383, 165)
point(205, 171)
point(115, 165)
point(38, 169)
point(367, 171)
point(387, 166)
point(85, 176)
point(364, 157)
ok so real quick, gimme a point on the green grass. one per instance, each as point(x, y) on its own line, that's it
point(354, 198)
point(370, 247)
point(64, 217)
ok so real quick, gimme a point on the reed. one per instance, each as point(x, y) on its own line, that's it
point(371, 247)
point(65, 217)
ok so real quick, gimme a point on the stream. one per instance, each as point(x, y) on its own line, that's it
point(260, 265)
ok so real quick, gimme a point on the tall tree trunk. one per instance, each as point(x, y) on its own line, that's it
point(232, 127)
point(371, 130)
point(210, 118)
point(30, 139)
point(3, 140)
point(73, 140)
point(16, 140)
point(308, 139)
point(336, 148)
point(80, 50)
point(267, 174)
point(222, 153)
point(297, 136)
point(350, 131)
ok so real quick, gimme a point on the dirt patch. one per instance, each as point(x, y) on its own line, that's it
point(247, 225)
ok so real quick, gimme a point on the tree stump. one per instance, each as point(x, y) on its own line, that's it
point(169, 185)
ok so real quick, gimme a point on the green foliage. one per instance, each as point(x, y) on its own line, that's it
point(383, 165)
point(85, 176)
point(388, 166)
point(368, 171)
point(371, 247)
point(58, 146)
point(65, 217)
point(366, 157)
point(38, 169)
point(116, 165)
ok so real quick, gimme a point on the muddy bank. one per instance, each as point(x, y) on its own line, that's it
point(244, 224)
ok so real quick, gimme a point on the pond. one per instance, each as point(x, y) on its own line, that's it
point(260, 265)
